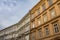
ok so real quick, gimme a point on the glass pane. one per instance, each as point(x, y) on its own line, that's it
point(33, 25)
point(50, 2)
point(45, 18)
point(39, 21)
point(53, 14)
point(46, 31)
point(38, 11)
point(40, 33)
point(56, 28)
point(32, 16)
point(33, 36)
point(43, 7)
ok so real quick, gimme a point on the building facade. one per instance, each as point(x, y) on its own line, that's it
point(18, 31)
point(24, 29)
point(9, 33)
point(42, 22)
point(45, 20)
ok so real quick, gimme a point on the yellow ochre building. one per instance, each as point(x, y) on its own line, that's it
point(42, 22)
point(45, 20)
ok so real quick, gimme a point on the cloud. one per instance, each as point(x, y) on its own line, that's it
point(11, 11)
point(5, 23)
point(8, 3)
point(0, 8)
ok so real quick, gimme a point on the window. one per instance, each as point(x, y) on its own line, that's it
point(46, 30)
point(26, 37)
point(32, 16)
point(39, 21)
point(38, 11)
point(45, 17)
point(56, 27)
point(33, 36)
point(33, 25)
point(50, 2)
point(43, 7)
point(40, 33)
point(53, 13)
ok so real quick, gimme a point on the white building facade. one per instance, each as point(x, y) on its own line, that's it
point(18, 31)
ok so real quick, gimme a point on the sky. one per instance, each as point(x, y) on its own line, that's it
point(11, 11)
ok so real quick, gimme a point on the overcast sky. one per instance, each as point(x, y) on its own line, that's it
point(11, 11)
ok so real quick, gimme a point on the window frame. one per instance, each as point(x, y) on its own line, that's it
point(33, 36)
point(47, 32)
point(45, 17)
point(50, 2)
point(43, 6)
point(55, 31)
point(52, 9)
point(40, 33)
point(39, 21)
point(38, 11)
point(32, 15)
point(33, 24)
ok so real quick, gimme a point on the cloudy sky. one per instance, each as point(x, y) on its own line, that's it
point(11, 11)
